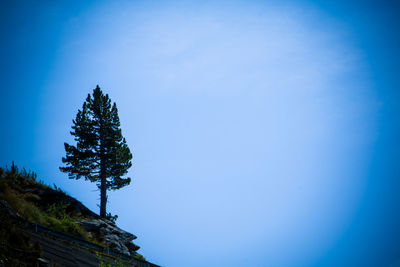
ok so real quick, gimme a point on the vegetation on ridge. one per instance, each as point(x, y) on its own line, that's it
point(13, 189)
point(17, 188)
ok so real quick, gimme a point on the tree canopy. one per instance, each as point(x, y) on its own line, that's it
point(101, 154)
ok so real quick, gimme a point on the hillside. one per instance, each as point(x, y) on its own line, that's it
point(43, 226)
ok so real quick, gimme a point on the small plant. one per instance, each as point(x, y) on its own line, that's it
point(117, 262)
point(58, 189)
point(19, 179)
point(62, 221)
point(58, 210)
point(14, 169)
point(139, 256)
point(30, 175)
point(111, 217)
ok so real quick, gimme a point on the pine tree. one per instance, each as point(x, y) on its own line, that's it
point(101, 154)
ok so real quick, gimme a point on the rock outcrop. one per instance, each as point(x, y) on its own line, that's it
point(104, 230)
point(118, 239)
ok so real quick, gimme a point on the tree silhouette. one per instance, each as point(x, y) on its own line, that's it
point(101, 154)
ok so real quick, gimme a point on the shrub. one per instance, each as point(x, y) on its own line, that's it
point(111, 217)
point(20, 179)
point(58, 210)
point(62, 221)
point(117, 262)
point(31, 212)
point(58, 189)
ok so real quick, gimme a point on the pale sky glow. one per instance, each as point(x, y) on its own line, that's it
point(230, 113)
point(252, 126)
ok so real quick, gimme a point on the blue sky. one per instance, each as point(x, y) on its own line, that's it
point(264, 133)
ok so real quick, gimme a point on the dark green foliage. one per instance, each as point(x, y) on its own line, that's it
point(20, 179)
point(58, 210)
point(111, 217)
point(101, 154)
point(58, 189)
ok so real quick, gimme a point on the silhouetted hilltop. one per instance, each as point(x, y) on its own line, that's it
point(43, 226)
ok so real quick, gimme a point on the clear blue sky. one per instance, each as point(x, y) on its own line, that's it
point(264, 133)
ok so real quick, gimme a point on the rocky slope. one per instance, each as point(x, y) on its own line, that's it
point(102, 230)
point(118, 239)
point(24, 201)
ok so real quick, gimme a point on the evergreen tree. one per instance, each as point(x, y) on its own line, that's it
point(101, 154)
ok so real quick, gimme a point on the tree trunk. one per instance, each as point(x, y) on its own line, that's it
point(103, 188)
point(103, 178)
point(103, 197)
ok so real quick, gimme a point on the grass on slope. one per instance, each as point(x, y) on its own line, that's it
point(54, 216)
